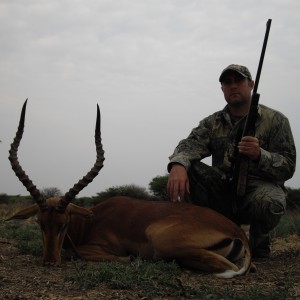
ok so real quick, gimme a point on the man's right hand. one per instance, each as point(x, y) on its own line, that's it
point(178, 183)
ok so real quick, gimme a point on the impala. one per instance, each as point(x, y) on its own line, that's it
point(119, 228)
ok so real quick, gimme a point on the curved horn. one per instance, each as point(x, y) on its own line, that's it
point(13, 157)
point(89, 177)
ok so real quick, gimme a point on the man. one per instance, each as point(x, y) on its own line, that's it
point(271, 153)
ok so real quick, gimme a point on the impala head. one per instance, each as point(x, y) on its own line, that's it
point(53, 214)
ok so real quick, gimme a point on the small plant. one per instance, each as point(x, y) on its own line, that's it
point(26, 234)
point(163, 279)
point(289, 224)
point(152, 278)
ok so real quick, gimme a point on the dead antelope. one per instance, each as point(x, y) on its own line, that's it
point(121, 227)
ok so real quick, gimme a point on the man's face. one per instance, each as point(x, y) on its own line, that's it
point(236, 88)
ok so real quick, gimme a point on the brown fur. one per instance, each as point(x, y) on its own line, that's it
point(121, 227)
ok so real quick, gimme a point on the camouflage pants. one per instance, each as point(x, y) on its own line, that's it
point(261, 207)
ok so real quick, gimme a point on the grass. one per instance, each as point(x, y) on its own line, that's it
point(151, 278)
point(289, 224)
point(26, 234)
point(163, 279)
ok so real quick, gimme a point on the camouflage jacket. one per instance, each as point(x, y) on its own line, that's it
point(216, 136)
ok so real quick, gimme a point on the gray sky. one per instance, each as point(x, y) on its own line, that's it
point(153, 68)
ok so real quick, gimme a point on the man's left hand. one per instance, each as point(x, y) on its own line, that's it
point(249, 146)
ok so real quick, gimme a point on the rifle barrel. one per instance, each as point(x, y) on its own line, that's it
point(262, 56)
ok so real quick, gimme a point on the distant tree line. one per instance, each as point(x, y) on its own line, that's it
point(157, 191)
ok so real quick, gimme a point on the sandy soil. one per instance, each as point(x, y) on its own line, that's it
point(23, 277)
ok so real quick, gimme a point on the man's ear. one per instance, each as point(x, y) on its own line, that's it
point(251, 84)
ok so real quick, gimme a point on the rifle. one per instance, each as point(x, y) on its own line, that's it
point(241, 163)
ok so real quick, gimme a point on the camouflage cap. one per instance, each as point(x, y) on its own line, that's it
point(237, 68)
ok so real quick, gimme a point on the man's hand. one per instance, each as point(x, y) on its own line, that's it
point(249, 146)
point(178, 183)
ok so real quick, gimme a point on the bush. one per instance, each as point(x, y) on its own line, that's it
point(131, 190)
point(51, 192)
point(289, 224)
point(84, 201)
point(27, 235)
point(15, 199)
point(293, 200)
point(4, 199)
point(158, 186)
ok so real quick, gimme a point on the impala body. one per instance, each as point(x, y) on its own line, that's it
point(121, 227)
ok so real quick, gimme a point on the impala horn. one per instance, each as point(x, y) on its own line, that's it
point(13, 157)
point(31, 188)
point(89, 177)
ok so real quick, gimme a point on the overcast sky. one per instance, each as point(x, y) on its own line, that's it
point(151, 65)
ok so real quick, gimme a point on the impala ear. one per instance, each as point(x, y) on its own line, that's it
point(25, 213)
point(80, 211)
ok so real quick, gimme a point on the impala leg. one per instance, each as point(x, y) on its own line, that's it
point(171, 241)
point(193, 257)
point(205, 260)
point(96, 253)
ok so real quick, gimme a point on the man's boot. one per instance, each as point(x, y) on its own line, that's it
point(259, 243)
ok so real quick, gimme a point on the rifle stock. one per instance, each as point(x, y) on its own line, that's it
point(241, 163)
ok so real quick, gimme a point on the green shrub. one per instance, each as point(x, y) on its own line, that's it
point(15, 199)
point(4, 199)
point(158, 186)
point(163, 280)
point(293, 200)
point(27, 236)
point(289, 224)
point(131, 190)
point(84, 201)
point(147, 276)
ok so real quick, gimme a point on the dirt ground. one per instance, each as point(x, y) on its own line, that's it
point(24, 277)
